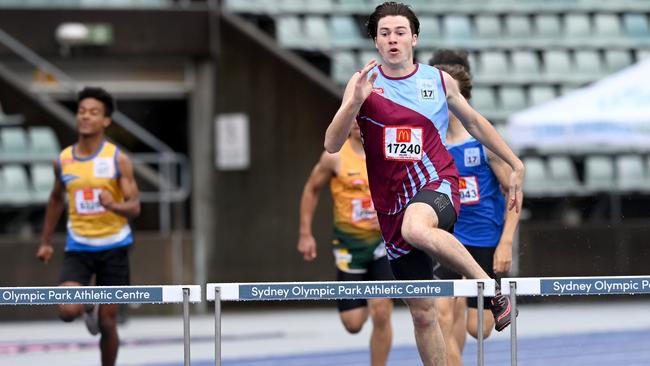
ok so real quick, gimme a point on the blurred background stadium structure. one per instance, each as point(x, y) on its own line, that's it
point(258, 81)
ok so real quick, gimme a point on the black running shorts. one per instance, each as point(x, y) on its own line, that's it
point(110, 267)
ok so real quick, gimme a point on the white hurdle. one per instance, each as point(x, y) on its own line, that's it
point(283, 291)
point(108, 295)
point(573, 286)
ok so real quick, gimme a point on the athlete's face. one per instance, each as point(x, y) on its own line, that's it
point(395, 41)
point(91, 117)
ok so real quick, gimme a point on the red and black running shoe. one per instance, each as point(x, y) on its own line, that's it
point(502, 311)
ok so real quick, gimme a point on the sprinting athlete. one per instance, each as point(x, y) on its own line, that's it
point(102, 194)
point(402, 110)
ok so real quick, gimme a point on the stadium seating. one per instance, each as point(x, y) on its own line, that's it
point(457, 28)
point(484, 100)
point(636, 26)
point(493, 65)
point(289, 32)
point(518, 27)
point(525, 65)
point(43, 144)
point(430, 33)
point(346, 33)
point(557, 65)
point(317, 33)
point(541, 94)
point(563, 176)
point(616, 60)
point(13, 142)
point(536, 178)
point(344, 64)
point(23, 150)
point(513, 99)
point(488, 27)
point(607, 27)
point(522, 53)
point(352, 6)
point(587, 64)
point(631, 173)
point(599, 173)
point(42, 178)
point(577, 28)
point(15, 185)
point(547, 27)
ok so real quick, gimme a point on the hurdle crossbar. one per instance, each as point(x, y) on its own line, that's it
point(109, 295)
point(572, 286)
point(283, 291)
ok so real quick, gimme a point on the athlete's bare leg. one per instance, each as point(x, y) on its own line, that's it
point(381, 337)
point(472, 322)
point(70, 312)
point(109, 341)
point(447, 317)
point(420, 229)
point(428, 337)
point(459, 331)
point(354, 319)
point(382, 330)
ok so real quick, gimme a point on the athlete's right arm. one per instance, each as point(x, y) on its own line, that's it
point(320, 175)
point(358, 89)
point(53, 212)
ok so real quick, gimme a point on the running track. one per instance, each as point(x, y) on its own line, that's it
point(621, 348)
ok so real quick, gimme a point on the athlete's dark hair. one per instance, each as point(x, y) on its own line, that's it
point(445, 56)
point(100, 94)
point(391, 8)
point(461, 75)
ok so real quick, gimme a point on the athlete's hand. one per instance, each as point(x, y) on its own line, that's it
point(106, 199)
point(45, 252)
point(363, 85)
point(502, 262)
point(307, 246)
point(516, 193)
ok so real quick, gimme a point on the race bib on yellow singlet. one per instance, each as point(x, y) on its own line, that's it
point(87, 201)
point(362, 209)
point(469, 190)
point(403, 143)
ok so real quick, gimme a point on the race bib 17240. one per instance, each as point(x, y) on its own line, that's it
point(403, 143)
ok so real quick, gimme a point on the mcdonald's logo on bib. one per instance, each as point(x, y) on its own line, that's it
point(403, 135)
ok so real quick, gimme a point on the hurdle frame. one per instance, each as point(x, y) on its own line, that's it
point(159, 294)
point(579, 286)
point(219, 292)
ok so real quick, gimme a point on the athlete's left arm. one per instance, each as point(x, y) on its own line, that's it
point(482, 130)
point(503, 254)
point(131, 205)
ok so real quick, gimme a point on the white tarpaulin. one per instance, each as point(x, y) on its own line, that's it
point(612, 114)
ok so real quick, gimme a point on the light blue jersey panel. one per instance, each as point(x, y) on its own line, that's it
point(422, 91)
